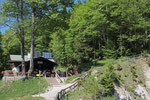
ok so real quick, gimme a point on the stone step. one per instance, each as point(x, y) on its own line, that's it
point(52, 81)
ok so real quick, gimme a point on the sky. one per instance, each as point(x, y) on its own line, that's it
point(3, 29)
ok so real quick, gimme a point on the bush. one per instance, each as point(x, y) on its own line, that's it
point(119, 67)
point(108, 79)
point(133, 71)
point(90, 86)
point(71, 78)
point(148, 61)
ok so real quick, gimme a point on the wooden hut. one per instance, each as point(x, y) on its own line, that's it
point(40, 63)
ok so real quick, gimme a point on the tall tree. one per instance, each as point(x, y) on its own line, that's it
point(20, 14)
point(32, 39)
point(1, 52)
point(102, 28)
point(14, 9)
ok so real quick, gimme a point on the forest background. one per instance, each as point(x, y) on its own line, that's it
point(75, 32)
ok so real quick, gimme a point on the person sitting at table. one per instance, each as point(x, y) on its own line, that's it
point(15, 70)
point(59, 73)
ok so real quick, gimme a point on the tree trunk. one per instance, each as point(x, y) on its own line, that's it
point(32, 43)
point(20, 31)
point(22, 40)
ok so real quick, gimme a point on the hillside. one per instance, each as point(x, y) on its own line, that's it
point(126, 78)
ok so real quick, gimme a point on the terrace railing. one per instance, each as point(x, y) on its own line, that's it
point(58, 78)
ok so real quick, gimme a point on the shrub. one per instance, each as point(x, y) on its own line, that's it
point(71, 78)
point(108, 79)
point(90, 86)
point(133, 71)
point(148, 61)
point(119, 67)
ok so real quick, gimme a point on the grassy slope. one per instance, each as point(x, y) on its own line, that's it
point(132, 73)
point(21, 89)
point(80, 92)
point(130, 70)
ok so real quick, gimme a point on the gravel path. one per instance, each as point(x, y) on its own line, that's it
point(146, 70)
point(52, 91)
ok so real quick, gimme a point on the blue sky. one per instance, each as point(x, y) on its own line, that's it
point(3, 29)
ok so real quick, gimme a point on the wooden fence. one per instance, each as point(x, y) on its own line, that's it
point(65, 91)
point(11, 76)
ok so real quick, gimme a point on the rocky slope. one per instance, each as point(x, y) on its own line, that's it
point(136, 79)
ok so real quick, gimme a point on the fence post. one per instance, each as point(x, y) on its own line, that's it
point(5, 72)
point(67, 97)
point(39, 82)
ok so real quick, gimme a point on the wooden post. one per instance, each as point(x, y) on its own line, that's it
point(39, 82)
point(5, 72)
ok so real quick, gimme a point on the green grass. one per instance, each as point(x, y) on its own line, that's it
point(28, 98)
point(129, 69)
point(71, 78)
point(103, 61)
point(110, 97)
point(21, 89)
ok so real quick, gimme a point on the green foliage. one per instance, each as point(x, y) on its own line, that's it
point(84, 67)
point(133, 71)
point(71, 78)
point(109, 51)
point(1, 51)
point(58, 44)
point(107, 29)
point(90, 86)
point(108, 75)
point(61, 68)
point(98, 86)
point(83, 32)
point(108, 79)
point(11, 44)
point(110, 97)
point(28, 98)
point(148, 61)
point(21, 88)
point(119, 67)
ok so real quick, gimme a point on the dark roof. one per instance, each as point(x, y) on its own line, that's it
point(17, 58)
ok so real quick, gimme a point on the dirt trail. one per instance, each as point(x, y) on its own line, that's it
point(146, 70)
point(52, 91)
point(147, 75)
